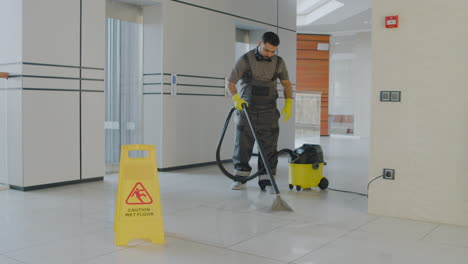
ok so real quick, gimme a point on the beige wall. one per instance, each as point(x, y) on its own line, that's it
point(425, 136)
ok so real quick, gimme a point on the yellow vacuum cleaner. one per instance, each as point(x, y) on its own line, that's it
point(305, 165)
point(306, 168)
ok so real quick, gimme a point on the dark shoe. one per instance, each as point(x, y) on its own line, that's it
point(263, 184)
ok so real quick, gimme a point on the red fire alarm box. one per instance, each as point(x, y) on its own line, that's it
point(391, 21)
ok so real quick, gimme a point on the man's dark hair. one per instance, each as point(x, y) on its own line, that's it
point(271, 37)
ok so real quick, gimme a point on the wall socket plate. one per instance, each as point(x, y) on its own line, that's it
point(389, 174)
point(390, 96)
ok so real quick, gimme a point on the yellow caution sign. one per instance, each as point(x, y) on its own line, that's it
point(138, 213)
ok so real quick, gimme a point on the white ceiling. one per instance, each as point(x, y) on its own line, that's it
point(354, 16)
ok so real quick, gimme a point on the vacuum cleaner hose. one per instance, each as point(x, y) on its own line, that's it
point(242, 179)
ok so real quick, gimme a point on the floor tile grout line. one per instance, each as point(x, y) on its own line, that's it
point(120, 248)
point(251, 254)
point(68, 237)
point(448, 244)
point(220, 247)
point(253, 212)
point(81, 260)
point(428, 233)
point(330, 242)
point(261, 233)
point(17, 260)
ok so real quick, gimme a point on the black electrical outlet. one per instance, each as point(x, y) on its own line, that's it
point(389, 174)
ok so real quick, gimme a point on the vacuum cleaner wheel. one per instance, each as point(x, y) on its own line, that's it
point(323, 183)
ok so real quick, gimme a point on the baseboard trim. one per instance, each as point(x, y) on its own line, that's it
point(50, 185)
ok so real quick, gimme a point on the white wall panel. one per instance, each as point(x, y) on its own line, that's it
point(50, 137)
point(92, 85)
point(93, 74)
point(152, 63)
point(286, 14)
point(51, 31)
point(39, 70)
point(3, 132)
point(153, 39)
point(15, 137)
point(194, 44)
point(288, 50)
point(92, 135)
point(260, 10)
point(191, 134)
point(152, 124)
point(46, 83)
point(11, 21)
point(191, 126)
point(93, 33)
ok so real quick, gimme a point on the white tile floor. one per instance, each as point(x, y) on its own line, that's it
point(206, 222)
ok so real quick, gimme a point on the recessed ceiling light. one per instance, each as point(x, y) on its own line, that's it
point(325, 9)
point(304, 7)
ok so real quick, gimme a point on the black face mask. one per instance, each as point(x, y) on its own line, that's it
point(259, 56)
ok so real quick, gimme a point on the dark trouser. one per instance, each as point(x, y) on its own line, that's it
point(267, 130)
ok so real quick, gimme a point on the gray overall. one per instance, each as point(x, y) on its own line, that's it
point(261, 98)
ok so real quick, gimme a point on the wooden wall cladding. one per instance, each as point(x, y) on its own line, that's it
point(312, 71)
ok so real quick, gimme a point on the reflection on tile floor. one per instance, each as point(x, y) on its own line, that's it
point(206, 222)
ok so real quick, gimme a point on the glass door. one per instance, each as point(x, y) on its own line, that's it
point(124, 89)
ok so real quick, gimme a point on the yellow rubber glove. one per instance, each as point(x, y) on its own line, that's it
point(287, 109)
point(238, 101)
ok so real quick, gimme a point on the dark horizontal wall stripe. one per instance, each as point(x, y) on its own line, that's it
point(225, 13)
point(92, 68)
point(201, 94)
point(89, 79)
point(156, 83)
point(51, 89)
point(200, 85)
point(187, 85)
point(149, 74)
point(185, 75)
point(92, 91)
point(51, 65)
point(198, 76)
point(43, 77)
point(156, 93)
point(157, 73)
point(54, 77)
